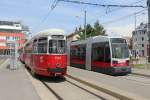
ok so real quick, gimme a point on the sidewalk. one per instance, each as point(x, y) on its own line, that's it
point(15, 85)
point(143, 72)
point(120, 84)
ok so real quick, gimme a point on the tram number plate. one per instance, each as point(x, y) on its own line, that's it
point(57, 74)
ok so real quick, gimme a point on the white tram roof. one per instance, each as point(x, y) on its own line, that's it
point(50, 32)
point(95, 39)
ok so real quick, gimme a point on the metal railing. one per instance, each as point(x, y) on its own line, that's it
point(140, 62)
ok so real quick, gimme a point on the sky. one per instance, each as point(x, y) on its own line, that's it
point(37, 14)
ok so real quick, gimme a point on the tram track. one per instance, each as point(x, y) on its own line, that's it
point(72, 86)
point(68, 85)
point(117, 93)
point(51, 90)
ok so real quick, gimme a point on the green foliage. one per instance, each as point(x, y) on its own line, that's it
point(90, 31)
point(98, 29)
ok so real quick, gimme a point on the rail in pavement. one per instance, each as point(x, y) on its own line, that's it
point(82, 76)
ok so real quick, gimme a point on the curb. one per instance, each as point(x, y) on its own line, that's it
point(140, 74)
point(122, 95)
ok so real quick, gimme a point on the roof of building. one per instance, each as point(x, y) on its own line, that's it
point(72, 34)
point(9, 22)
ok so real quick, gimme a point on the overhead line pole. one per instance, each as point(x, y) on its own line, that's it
point(148, 5)
point(85, 23)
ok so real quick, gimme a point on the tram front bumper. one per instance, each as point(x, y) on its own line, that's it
point(56, 70)
point(121, 69)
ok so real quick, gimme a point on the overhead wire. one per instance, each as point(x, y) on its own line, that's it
point(123, 7)
point(117, 9)
point(99, 5)
point(124, 17)
point(52, 7)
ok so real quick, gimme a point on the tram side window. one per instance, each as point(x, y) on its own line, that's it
point(82, 52)
point(35, 49)
point(42, 45)
point(101, 52)
point(52, 46)
point(61, 46)
point(57, 46)
point(107, 53)
point(28, 48)
point(79, 52)
point(74, 52)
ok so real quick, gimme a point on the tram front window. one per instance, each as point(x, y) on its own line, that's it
point(57, 46)
point(120, 50)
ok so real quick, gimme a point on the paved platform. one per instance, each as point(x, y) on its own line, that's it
point(15, 84)
point(144, 72)
point(2, 60)
point(116, 83)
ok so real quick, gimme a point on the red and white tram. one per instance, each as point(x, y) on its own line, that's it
point(45, 53)
point(100, 53)
point(22, 54)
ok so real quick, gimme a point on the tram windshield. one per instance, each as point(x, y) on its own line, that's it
point(119, 48)
point(57, 46)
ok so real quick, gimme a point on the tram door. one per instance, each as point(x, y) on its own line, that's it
point(100, 55)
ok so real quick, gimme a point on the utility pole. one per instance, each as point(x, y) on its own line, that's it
point(148, 5)
point(85, 23)
point(135, 21)
point(135, 33)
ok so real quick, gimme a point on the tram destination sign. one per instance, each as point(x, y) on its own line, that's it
point(58, 36)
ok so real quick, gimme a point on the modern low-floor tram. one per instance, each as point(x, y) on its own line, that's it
point(100, 53)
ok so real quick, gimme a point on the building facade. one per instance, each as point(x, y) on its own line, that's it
point(72, 37)
point(140, 41)
point(11, 32)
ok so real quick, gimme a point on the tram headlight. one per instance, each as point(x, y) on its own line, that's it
point(115, 62)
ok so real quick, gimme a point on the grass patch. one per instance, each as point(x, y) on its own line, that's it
point(140, 66)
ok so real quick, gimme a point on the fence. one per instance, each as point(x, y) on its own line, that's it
point(141, 62)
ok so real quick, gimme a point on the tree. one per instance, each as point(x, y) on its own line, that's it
point(90, 31)
point(98, 29)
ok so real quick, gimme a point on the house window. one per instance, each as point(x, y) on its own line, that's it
point(142, 38)
point(144, 32)
point(143, 52)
